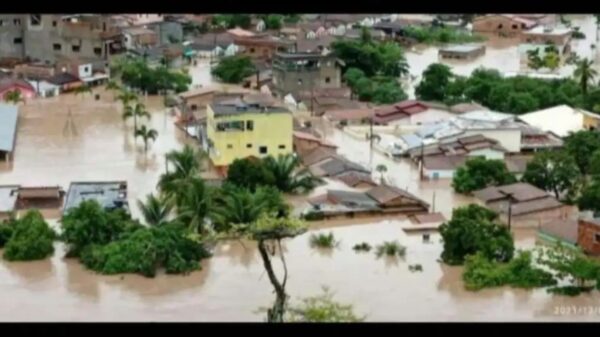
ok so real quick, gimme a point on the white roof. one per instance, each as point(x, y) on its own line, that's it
point(559, 120)
point(8, 126)
point(548, 30)
point(7, 198)
point(43, 85)
point(486, 116)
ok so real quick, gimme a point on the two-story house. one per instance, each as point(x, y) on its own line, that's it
point(239, 129)
point(297, 72)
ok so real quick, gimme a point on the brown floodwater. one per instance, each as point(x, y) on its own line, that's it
point(232, 285)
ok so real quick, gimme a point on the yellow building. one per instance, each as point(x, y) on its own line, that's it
point(240, 130)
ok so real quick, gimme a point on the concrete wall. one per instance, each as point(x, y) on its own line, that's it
point(441, 174)
point(488, 154)
point(8, 32)
point(498, 24)
point(289, 81)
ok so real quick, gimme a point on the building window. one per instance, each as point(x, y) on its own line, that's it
point(515, 26)
point(17, 22)
point(17, 40)
point(75, 48)
point(597, 238)
point(194, 107)
point(98, 51)
point(252, 50)
point(262, 150)
point(35, 19)
point(327, 80)
point(54, 23)
point(231, 126)
point(282, 147)
point(250, 125)
point(230, 146)
point(500, 26)
point(248, 146)
point(86, 69)
point(57, 46)
point(523, 25)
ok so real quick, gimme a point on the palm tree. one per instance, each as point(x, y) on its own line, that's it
point(585, 73)
point(126, 97)
point(237, 206)
point(186, 163)
point(155, 211)
point(288, 178)
point(552, 60)
point(13, 96)
point(193, 206)
point(139, 110)
point(146, 135)
point(381, 168)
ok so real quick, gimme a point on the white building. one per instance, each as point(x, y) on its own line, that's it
point(560, 120)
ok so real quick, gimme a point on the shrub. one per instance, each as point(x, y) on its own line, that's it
point(146, 250)
point(32, 239)
point(322, 309)
point(569, 290)
point(6, 230)
point(323, 240)
point(390, 248)
point(89, 223)
point(415, 267)
point(481, 273)
point(362, 247)
point(314, 216)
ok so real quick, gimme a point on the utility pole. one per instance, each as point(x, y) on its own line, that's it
point(422, 161)
point(371, 142)
point(433, 203)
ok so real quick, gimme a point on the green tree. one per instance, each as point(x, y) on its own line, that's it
point(590, 197)
point(478, 173)
point(269, 231)
point(13, 96)
point(534, 60)
point(571, 265)
point(89, 223)
point(554, 171)
point(585, 74)
point(382, 169)
point(521, 102)
point(31, 239)
point(581, 145)
point(236, 206)
point(250, 173)
point(273, 21)
point(234, 69)
point(287, 175)
point(146, 134)
point(388, 91)
point(138, 110)
point(193, 208)
point(435, 82)
point(155, 210)
point(322, 309)
point(186, 164)
point(373, 58)
point(232, 20)
point(552, 60)
point(472, 230)
point(126, 97)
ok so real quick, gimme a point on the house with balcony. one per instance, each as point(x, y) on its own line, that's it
point(245, 127)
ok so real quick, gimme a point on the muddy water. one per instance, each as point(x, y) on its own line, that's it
point(501, 54)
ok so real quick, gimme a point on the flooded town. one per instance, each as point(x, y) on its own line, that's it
point(269, 168)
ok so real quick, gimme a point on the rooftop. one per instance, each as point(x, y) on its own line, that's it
point(564, 229)
point(465, 48)
point(444, 163)
point(8, 199)
point(386, 193)
point(238, 107)
point(560, 120)
point(9, 115)
point(548, 30)
point(109, 194)
point(526, 198)
point(310, 137)
point(354, 178)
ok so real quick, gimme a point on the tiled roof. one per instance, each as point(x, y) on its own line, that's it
point(385, 193)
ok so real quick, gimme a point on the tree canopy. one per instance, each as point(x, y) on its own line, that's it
point(434, 85)
point(371, 57)
point(553, 171)
point(135, 73)
point(31, 238)
point(472, 230)
point(478, 173)
point(234, 69)
point(582, 145)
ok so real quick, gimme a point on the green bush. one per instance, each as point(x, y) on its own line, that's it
point(481, 273)
point(6, 230)
point(362, 247)
point(323, 240)
point(569, 290)
point(145, 251)
point(32, 239)
point(415, 267)
point(89, 223)
point(390, 248)
point(314, 216)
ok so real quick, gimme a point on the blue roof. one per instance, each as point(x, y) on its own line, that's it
point(8, 126)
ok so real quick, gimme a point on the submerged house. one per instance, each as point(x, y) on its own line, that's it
point(9, 116)
point(380, 200)
point(529, 206)
point(109, 194)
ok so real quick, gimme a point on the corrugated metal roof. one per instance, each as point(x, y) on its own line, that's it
point(8, 126)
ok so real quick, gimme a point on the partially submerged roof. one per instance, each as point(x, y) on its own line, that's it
point(197, 92)
point(563, 229)
point(109, 194)
point(443, 162)
point(463, 48)
point(386, 193)
point(428, 218)
point(240, 107)
point(63, 78)
point(9, 115)
point(526, 198)
point(560, 120)
point(8, 199)
point(354, 178)
point(336, 165)
point(309, 137)
point(345, 198)
point(318, 154)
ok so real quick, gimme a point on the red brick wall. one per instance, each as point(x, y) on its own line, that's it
point(586, 233)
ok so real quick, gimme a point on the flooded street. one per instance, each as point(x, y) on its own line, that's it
point(76, 138)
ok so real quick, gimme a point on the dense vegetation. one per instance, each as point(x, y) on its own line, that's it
point(519, 94)
point(136, 74)
point(471, 230)
point(554, 171)
point(234, 69)
point(322, 309)
point(478, 173)
point(390, 248)
point(232, 20)
point(432, 35)
point(582, 272)
point(31, 238)
point(323, 240)
point(519, 272)
point(371, 68)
